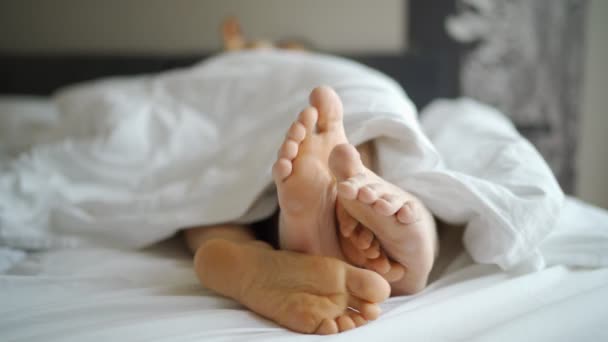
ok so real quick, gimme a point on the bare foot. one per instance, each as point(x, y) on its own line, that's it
point(308, 294)
point(361, 248)
point(403, 226)
point(305, 186)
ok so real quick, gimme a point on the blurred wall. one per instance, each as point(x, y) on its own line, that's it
point(593, 149)
point(190, 26)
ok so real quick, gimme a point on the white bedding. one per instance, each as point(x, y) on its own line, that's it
point(129, 161)
point(100, 294)
point(104, 293)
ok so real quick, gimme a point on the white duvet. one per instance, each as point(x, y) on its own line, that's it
point(128, 161)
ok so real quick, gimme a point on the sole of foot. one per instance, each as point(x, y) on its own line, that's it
point(304, 293)
point(403, 226)
point(305, 186)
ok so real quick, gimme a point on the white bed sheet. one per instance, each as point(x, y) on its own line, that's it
point(97, 294)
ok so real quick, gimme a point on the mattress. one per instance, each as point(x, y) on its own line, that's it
point(104, 294)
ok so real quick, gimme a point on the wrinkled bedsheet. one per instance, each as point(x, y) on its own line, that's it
point(104, 294)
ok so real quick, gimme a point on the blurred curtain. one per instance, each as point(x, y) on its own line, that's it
point(525, 57)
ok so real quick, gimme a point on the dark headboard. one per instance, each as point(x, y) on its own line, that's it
point(428, 69)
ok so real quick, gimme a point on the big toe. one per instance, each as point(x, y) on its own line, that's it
point(367, 285)
point(329, 105)
point(345, 162)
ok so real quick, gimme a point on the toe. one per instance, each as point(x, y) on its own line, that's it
point(369, 311)
point(407, 214)
point(349, 188)
point(366, 285)
point(364, 239)
point(289, 149)
point(345, 162)
point(329, 106)
point(380, 264)
point(367, 194)
point(346, 223)
point(354, 236)
point(297, 132)
point(353, 255)
point(373, 251)
point(357, 318)
point(396, 272)
point(387, 205)
point(281, 169)
point(345, 323)
point(308, 118)
point(327, 327)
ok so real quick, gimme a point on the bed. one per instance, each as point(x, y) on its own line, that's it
point(100, 293)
